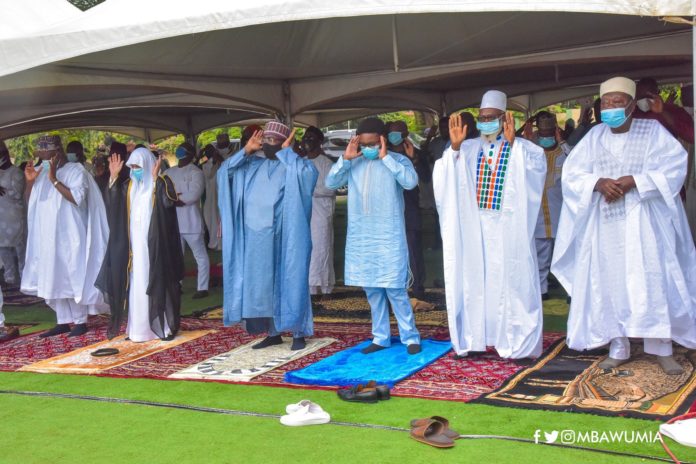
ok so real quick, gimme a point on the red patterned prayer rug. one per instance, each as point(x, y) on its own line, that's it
point(446, 379)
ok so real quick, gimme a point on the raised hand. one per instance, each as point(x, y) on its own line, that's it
point(30, 172)
point(352, 150)
point(115, 165)
point(382, 147)
point(408, 148)
point(559, 136)
point(528, 132)
point(290, 140)
point(53, 168)
point(457, 131)
point(610, 189)
point(156, 167)
point(656, 104)
point(255, 143)
point(509, 128)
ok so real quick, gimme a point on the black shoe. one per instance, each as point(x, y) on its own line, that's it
point(358, 396)
point(298, 343)
point(568, 300)
point(545, 296)
point(200, 294)
point(168, 338)
point(57, 330)
point(77, 330)
point(268, 341)
point(373, 348)
point(413, 348)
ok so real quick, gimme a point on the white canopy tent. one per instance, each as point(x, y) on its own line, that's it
point(317, 62)
point(23, 18)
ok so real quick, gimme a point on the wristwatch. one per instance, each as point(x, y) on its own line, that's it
point(56, 182)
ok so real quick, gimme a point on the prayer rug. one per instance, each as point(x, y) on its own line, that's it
point(567, 380)
point(81, 361)
point(447, 378)
point(13, 297)
point(349, 305)
point(244, 363)
point(386, 367)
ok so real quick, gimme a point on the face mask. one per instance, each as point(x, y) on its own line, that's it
point(181, 153)
point(72, 157)
point(137, 174)
point(614, 117)
point(395, 138)
point(5, 163)
point(271, 150)
point(643, 104)
point(45, 166)
point(371, 153)
point(488, 127)
point(547, 142)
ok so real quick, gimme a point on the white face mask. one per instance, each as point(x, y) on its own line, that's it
point(643, 104)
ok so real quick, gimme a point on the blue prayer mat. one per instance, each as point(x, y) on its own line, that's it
point(386, 367)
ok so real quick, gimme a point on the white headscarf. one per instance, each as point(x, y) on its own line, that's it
point(141, 192)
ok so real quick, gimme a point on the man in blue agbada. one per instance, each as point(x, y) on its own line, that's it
point(265, 199)
point(376, 250)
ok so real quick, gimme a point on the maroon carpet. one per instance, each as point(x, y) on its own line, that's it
point(446, 379)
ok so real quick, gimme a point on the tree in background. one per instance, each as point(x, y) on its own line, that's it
point(85, 4)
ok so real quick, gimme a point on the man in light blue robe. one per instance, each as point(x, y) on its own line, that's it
point(265, 200)
point(376, 249)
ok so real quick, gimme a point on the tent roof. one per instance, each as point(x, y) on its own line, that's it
point(314, 60)
point(21, 18)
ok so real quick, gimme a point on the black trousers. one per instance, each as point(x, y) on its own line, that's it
point(414, 238)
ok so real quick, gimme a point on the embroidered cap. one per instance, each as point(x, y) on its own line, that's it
point(494, 99)
point(618, 84)
point(277, 129)
point(49, 143)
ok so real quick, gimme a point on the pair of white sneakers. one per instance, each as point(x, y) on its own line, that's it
point(304, 413)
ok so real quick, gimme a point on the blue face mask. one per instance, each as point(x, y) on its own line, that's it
point(181, 153)
point(72, 157)
point(488, 127)
point(45, 166)
point(395, 138)
point(371, 153)
point(614, 117)
point(547, 142)
point(137, 174)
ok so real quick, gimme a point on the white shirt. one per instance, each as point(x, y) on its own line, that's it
point(190, 184)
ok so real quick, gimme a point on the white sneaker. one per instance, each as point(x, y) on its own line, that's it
point(290, 408)
point(309, 414)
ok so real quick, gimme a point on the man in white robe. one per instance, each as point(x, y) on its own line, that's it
point(548, 136)
point(624, 251)
point(216, 153)
point(13, 223)
point(68, 233)
point(322, 277)
point(189, 182)
point(488, 191)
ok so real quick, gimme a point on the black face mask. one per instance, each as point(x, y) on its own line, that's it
point(271, 150)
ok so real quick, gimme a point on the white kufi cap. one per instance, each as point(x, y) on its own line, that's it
point(618, 84)
point(494, 99)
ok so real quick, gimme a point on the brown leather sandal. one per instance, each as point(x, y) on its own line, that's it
point(383, 392)
point(432, 433)
point(447, 432)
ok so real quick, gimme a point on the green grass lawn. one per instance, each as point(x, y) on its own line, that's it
point(58, 430)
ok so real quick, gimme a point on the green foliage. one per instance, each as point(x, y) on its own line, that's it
point(22, 148)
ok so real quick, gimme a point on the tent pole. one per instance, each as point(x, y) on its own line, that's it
point(190, 134)
point(287, 104)
point(395, 45)
point(443, 104)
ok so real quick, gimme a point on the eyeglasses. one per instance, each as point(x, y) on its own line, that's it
point(269, 139)
point(488, 118)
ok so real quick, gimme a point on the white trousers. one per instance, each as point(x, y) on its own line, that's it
point(620, 348)
point(68, 311)
point(2, 316)
point(197, 245)
point(544, 249)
